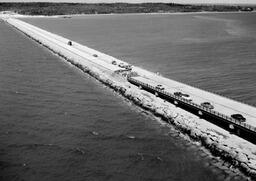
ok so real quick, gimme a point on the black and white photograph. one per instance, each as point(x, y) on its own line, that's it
point(127, 90)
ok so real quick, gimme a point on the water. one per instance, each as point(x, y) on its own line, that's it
point(215, 52)
point(57, 123)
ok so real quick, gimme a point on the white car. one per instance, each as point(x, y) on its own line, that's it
point(187, 98)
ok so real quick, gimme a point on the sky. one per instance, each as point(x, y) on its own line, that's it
point(138, 1)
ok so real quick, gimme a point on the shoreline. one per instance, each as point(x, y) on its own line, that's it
point(219, 142)
point(15, 15)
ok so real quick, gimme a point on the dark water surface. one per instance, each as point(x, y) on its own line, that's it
point(57, 123)
point(215, 52)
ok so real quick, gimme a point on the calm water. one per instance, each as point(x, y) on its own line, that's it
point(215, 52)
point(57, 123)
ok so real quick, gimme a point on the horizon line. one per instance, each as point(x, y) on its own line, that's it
point(78, 2)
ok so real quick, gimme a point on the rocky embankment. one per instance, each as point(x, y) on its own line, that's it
point(228, 147)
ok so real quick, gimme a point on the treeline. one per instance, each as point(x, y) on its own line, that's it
point(107, 8)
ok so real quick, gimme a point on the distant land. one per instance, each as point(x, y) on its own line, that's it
point(50, 9)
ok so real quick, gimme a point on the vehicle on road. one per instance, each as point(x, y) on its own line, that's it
point(187, 98)
point(207, 105)
point(182, 95)
point(185, 95)
point(128, 67)
point(160, 87)
point(178, 94)
point(114, 62)
point(238, 117)
point(121, 65)
point(70, 43)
